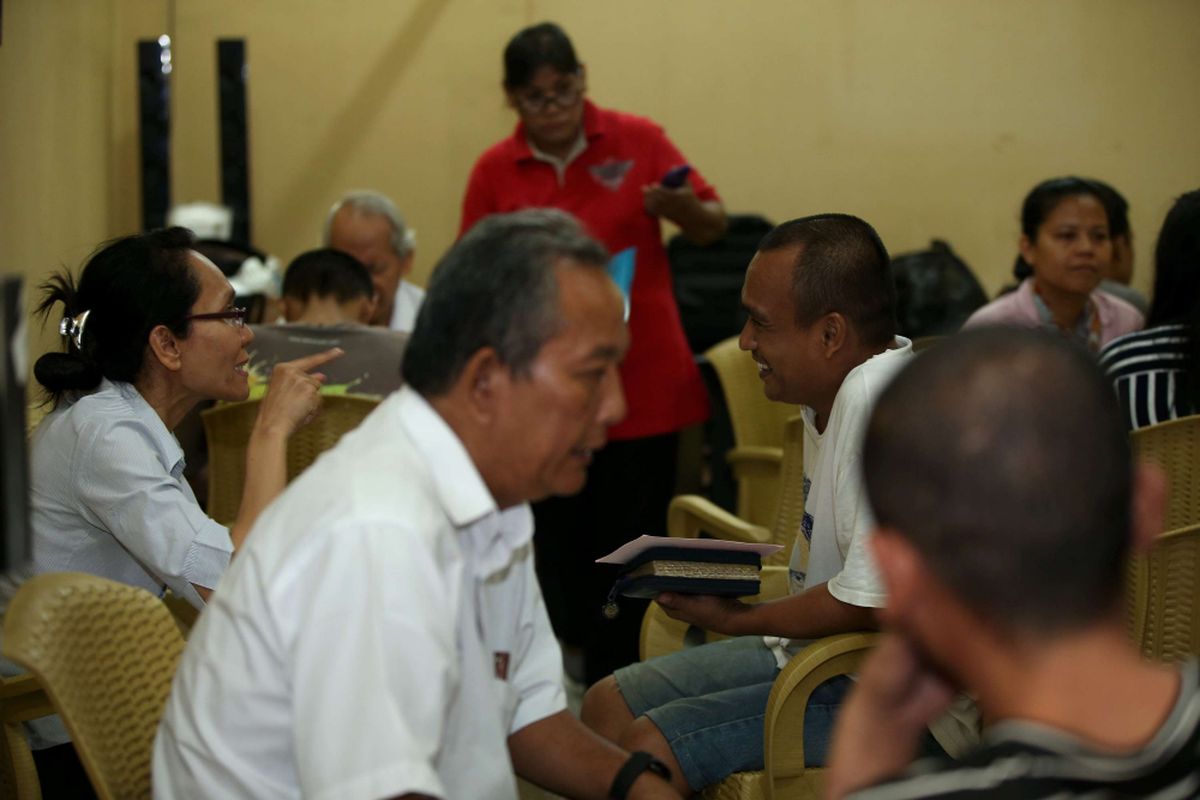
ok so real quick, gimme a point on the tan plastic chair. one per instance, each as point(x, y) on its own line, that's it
point(105, 653)
point(227, 429)
point(758, 434)
point(1175, 445)
point(784, 776)
point(1163, 597)
point(21, 699)
point(690, 515)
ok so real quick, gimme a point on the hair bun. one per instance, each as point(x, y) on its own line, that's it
point(61, 372)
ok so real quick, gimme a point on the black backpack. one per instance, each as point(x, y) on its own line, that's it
point(708, 280)
point(935, 291)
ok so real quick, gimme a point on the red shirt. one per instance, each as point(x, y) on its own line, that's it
point(603, 188)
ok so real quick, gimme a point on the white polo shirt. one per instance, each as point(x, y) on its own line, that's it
point(381, 632)
point(405, 306)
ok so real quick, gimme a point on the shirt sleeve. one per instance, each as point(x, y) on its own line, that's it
point(858, 582)
point(538, 675)
point(152, 513)
point(373, 666)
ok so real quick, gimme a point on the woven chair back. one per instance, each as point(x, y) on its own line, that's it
point(755, 419)
point(1163, 599)
point(227, 429)
point(1175, 445)
point(105, 652)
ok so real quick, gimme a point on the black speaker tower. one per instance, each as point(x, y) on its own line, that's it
point(154, 118)
point(235, 147)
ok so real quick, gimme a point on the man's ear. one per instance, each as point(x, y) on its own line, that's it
point(900, 569)
point(365, 308)
point(406, 264)
point(485, 381)
point(835, 329)
point(293, 308)
point(164, 346)
point(1148, 504)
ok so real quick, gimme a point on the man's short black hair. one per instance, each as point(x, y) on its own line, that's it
point(1001, 454)
point(841, 266)
point(327, 273)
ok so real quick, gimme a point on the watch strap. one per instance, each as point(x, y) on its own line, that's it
point(639, 761)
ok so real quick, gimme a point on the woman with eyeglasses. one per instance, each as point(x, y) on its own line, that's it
point(607, 168)
point(149, 332)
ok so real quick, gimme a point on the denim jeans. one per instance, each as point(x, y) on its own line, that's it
point(709, 702)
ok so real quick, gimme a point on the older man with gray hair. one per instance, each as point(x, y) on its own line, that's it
point(382, 633)
point(368, 226)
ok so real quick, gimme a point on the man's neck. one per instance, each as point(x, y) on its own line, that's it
point(324, 311)
point(861, 355)
point(1091, 684)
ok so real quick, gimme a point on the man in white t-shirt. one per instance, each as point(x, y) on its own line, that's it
point(821, 305)
point(382, 633)
point(369, 226)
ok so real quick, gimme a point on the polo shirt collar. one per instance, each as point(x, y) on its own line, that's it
point(494, 535)
point(166, 446)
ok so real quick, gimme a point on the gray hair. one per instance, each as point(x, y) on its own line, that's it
point(365, 201)
point(496, 288)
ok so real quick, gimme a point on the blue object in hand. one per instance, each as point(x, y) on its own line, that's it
point(676, 177)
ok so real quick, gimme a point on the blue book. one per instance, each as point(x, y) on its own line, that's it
point(620, 268)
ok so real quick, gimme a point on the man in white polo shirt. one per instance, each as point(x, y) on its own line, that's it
point(382, 633)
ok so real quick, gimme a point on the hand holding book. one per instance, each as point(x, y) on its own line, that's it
point(652, 565)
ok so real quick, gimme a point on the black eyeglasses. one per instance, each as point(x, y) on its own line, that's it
point(234, 316)
point(565, 95)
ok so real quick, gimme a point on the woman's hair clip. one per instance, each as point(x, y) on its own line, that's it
point(72, 328)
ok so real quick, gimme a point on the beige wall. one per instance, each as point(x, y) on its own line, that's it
point(927, 117)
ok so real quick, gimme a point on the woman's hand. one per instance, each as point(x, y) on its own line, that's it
point(702, 221)
point(293, 395)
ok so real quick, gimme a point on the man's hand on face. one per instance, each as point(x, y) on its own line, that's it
point(710, 612)
point(880, 726)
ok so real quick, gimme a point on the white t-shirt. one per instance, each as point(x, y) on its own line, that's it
point(381, 633)
point(405, 306)
point(837, 516)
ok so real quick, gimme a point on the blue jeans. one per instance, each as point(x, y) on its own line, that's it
point(709, 702)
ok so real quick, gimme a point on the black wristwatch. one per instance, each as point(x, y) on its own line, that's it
point(639, 762)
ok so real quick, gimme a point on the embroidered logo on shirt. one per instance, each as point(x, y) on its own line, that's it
point(500, 662)
point(611, 173)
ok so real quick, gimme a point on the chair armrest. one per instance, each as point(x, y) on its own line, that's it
point(753, 461)
point(22, 699)
point(689, 514)
point(783, 726)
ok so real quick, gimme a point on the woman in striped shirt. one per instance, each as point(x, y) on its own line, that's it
point(1157, 371)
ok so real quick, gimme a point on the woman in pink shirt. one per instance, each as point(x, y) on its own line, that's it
point(1065, 244)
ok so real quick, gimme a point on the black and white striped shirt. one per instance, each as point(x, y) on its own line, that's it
point(1146, 368)
point(1027, 761)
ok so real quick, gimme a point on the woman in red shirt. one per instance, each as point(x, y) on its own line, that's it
point(605, 167)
